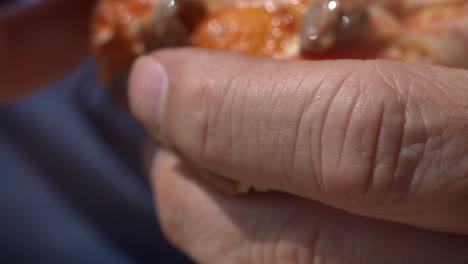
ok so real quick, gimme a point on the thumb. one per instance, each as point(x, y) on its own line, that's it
point(377, 138)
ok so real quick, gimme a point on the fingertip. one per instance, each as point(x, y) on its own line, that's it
point(148, 85)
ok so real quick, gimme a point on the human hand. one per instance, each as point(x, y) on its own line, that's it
point(384, 142)
point(41, 42)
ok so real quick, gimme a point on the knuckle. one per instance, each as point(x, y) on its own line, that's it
point(432, 140)
point(361, 138)
point(200, 122)
point(221, 122)
point(339, 148)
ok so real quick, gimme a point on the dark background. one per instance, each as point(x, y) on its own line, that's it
point(72, 189)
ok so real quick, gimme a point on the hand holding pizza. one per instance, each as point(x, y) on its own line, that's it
point(355, 149)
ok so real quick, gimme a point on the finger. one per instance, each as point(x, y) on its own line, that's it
point(277, 228)
point(378, 138)
point(41, 42)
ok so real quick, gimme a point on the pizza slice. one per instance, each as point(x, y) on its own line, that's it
point(432, 31)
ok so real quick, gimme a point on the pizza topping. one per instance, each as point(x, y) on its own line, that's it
point(272, 34)
point(422, 31)
point(331, 24)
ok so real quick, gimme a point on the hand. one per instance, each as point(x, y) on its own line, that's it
point(369, 157)
point(40, 43)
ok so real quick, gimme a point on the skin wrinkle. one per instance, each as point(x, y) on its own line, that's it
point(410, 173)
point(461, 81)
point(394, 110)
point(435, 135)
point(403, 132)
point(346, 134)
point(206, 129)
point(442, 155)
point(300, 123)
point(338, 86)
point(215, 115)
point(273, 137)
point(461, 182)
point(377, 143)
point(448, 170)
point(322, 178)
point(244, 128)
point(207, 150)
point(264, 106)
point(457, 78)
point(366, 242)
point(238, 100)
point(420, 167)
point(317, 167)
point(404, 147)
point(330, 234)
point(258, 140)
point(282, 133)
point(376, 67)
point(267, 126)
point(377, 167)
point(428, 157)
point(428, 83)
point(393, 163)
point(349, 191)
point(244, 108)
point(232, 94)
point(254, 141)
point(459, 120)
point(206, 101)
point(393, 82)
point(288, 165)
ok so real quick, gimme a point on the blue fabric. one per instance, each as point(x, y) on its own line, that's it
point(72, 187)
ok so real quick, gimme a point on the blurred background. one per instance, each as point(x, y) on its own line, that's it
point(72, 185)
